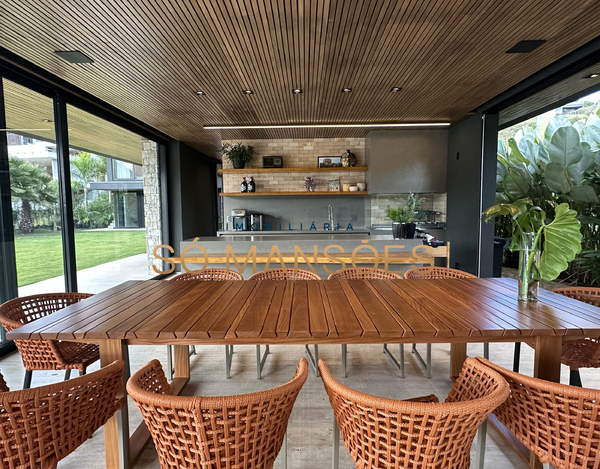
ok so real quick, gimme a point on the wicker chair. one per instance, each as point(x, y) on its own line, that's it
point(3, 385)
point(559, 423)
point(288, 274)
point(206, 274)
point(245, 431)
point(361, 273)
point(437, 273)
point(582, 353)
point(41, 426)
point(420, 433)
point(46, 354)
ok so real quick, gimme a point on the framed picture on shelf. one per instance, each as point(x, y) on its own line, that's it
point(329, 162)
point(334, 185)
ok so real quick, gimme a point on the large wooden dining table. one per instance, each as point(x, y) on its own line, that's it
point(457, 311)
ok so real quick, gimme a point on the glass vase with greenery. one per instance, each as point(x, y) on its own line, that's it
point(238, 154)
point(558, 241)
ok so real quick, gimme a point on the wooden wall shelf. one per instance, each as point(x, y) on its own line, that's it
point(291, 170)
point(296, 193)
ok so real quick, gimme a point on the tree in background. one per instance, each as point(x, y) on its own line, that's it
point(86, 168)
point(30, 184)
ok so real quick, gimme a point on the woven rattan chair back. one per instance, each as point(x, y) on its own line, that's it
point(243, 432)
point(386, 433)
point(288, 274)
point(437, 273)
point(45, 354)
point(559, 423)
point(211, 274)
point(3, 385)
point(41, 426)
point(588, 295)
point(362, 273)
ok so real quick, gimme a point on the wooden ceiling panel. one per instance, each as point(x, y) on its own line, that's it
point(151, 56)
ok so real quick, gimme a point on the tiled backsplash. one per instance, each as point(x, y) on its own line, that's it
point(378, 203)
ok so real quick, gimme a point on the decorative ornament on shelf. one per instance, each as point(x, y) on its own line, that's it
point(310, 184)
point(244, 186)
point(348, 159)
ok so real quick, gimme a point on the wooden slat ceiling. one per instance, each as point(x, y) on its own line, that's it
point(576, 83)
point(151, 56)
point(25, 109)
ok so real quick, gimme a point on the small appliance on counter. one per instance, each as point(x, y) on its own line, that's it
point(256, 222)
point(239, 220)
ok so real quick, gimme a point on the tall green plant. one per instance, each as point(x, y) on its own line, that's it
point(405, 214)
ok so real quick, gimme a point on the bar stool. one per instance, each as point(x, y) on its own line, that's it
point(245, 431)
point(362, 273)
point(287, 274)
point(437, 273)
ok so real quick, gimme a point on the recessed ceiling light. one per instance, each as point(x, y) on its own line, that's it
point(74, 56)
point(396, 89)
point(297, 91)
point(312, 126)
point(200, 93)
point(593, 75)
point(525, 47)
point(248, 91)
point(346, 90)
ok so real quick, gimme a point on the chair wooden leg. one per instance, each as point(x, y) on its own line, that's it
point(575, 378)
point(27, 380)
point(67, 374)
point(517, 357)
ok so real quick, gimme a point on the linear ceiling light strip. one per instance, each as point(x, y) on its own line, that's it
point(315, 126)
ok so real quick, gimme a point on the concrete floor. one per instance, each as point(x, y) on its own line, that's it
point(310, 426)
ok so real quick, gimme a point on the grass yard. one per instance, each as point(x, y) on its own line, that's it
point(39, 256)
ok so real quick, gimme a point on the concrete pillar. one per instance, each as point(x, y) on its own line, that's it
point(152, 203)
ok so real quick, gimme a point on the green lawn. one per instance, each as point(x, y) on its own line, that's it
point(39, 256)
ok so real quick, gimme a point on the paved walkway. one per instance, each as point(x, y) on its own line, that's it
point(96, 279)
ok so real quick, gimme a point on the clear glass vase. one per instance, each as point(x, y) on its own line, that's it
point(529, 259)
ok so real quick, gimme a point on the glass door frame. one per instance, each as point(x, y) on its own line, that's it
point(61, 96)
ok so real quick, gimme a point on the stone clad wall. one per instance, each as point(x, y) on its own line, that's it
point(152, 203)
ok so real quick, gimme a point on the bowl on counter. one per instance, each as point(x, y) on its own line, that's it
point(353, 188)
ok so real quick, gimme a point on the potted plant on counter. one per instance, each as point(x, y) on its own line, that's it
point(238, 154)
point(533, 233)
point(403, 217)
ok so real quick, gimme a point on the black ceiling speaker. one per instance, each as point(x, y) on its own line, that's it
point(525, 47)
point(74, 56)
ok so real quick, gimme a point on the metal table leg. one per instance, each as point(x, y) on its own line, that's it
point(400, 365)
point(425, 364)
point(313, 360)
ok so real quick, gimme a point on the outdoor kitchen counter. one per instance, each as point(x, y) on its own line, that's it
point(217, 247)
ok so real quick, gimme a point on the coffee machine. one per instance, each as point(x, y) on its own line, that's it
point(239, 220)
point(256, 222)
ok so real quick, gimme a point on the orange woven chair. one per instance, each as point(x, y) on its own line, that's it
point(206, 274)
point(46, 354)
point(41, 426)
point(288, 274)
point(431, 272)
point(3, 385)
point(420, 433)
point(362, 273)
point(242, 432)
point(559, 423)
point(582, 353)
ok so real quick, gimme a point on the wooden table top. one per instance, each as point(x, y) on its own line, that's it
point(328, 311)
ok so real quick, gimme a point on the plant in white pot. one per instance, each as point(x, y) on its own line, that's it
point(238, 154)
point(403, 217)
point(545, 246)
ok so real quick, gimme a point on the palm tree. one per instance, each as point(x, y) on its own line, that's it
point(30, 184)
